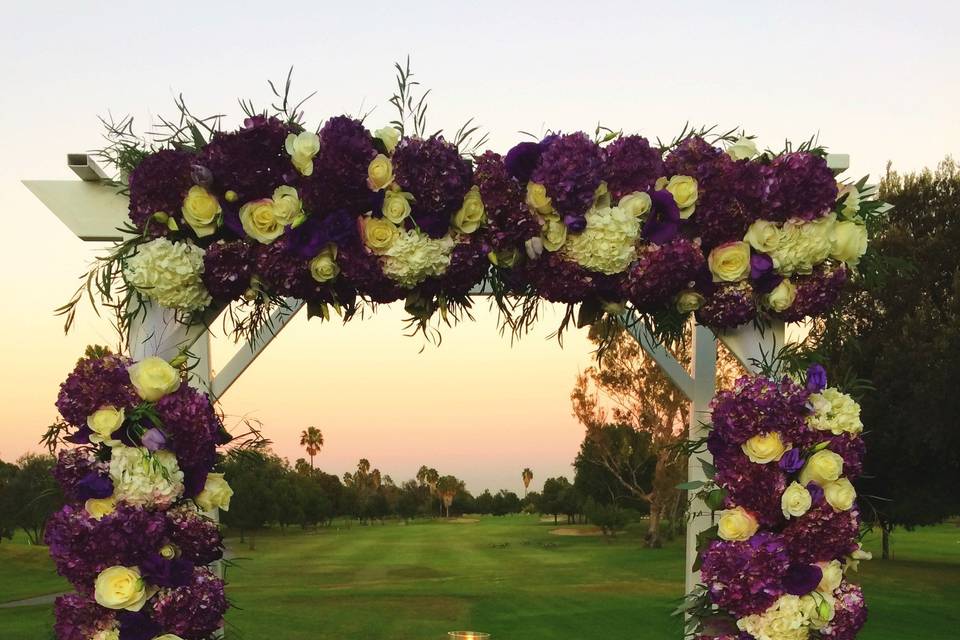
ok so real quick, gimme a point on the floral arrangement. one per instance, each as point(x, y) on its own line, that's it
point(776, 564)
point(341, 217)
point(135, 536)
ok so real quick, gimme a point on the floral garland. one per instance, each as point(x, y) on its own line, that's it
point(339, 216)
point(775, 566)
point(133, 537)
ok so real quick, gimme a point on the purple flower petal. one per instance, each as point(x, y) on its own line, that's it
point(94, 485)
point(816, 378)
point(801, 579)
point(521, 160)
point(153, 439)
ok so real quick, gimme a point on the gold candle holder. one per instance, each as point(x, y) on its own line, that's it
point(468, 635)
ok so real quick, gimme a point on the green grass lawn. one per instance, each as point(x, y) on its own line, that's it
point(507, 576)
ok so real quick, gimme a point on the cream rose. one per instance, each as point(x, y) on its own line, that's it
point(471, 214)
point(822, 468)
point(396, 206)
point(103, 422)
point(260, 222)
point(324, 267)
point(684, 192)
point(286, 205)
point(169, 551)
point(153, 378)
point(743, 149)
point(850, 197)
point(554, 233)
point(200, 210)
point(379, 172)
point(849, 242)
point(736, 524)
point(795, 501)
point(120, 588)
point(168, 636)
point(764, 236)
point(764, 448)
point(389, 136)
point(832, 576)
point(303, 147)
point(688, 301)
point(782, 296)
point(216, 493)
point(730, 262)
point(636, 204)
point(96, 508)
point(379, 234)
point(601, 196)
point(537, 198)
point(840, 494)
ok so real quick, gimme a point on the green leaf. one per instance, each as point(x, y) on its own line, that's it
point(691, 486)
point(709, 469)
point(715, 499)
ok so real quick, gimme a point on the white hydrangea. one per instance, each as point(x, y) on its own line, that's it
point(803, 245)
point(786, 619)
point(608, 243)
point(835, 412)
point(144, 478)
point(414, 256)
point(169, 272)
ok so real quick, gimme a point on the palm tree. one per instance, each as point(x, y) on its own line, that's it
point(311, 439)
point(527, 476)
point(447, 488)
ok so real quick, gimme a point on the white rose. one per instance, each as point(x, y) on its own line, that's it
point(736, 524)
point(832, 576)
point(840, 494)
point(216, 493)
point(302, 148)
point(153, 378)
point(389, 136)
point(782, 297)
point(636, 204)
point(849, 242)
point(120, 588)
point(764, 236)
point(743, 149)
point(795, 501)
point(103, 422)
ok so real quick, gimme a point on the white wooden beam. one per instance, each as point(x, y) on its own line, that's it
point(93, 211)
point(664, 359)
point(750, 344)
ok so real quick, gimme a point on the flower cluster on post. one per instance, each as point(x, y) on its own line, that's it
point(135, 535)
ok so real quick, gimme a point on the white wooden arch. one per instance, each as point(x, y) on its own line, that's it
point(94, 211)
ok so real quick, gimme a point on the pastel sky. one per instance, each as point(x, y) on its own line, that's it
point(877, 80)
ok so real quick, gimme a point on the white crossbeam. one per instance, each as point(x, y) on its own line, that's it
point(664, 359)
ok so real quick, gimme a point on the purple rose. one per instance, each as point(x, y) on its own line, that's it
point(791, 461)
point(801, 579)
point(816, 378)
point(94, 485)
point(663, 222)
point(522, 159)
point(153, 439)
point(762, 275)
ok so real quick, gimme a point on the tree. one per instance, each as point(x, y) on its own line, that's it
point(447, 489)
point(7, 509)
point(555, 498)
point(901, 331)
point(526, 476)
point(311, 439)
point(254, 476)
point(614, 462)
point(609, 517)
point(34, 495)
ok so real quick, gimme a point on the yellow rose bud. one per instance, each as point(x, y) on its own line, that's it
point(200, 210)
point(169, 551)
point(730, 262)
point(537, 198)
point(153, 378)
point(396, 206)
point(782, 296)
point(636, 204)
point(286, 205)
point(684, 192)
point(817, 608)
point(764, 448)
point(743, 149)
point(379, 172)
point(554, 233)
point(832, 576)
point(660, 184)
point(99, 507)
point(260, 222)
point(103, 422)
point(601, 196)
point(849, 242)
point(689, 301)
point(822, 468)
point(323, 267)
point(736, 524)
point(852, 562)
point(795, 501)
point(850, 197)
point(216, 493)
point(840, 494)
point(389, 136)
point(471, 214)
point(120, 588)
point(379, 234)
point(231, 196)
point(506, 258)
point(303, 147)
point(764, 236)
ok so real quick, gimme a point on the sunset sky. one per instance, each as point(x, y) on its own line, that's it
point(876, 80)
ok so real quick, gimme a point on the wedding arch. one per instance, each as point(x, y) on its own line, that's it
point(255, 224)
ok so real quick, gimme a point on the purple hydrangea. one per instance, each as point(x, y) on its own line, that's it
point(521, 160)
point(850, 613)
point(822, 534)
point(661, 271)
point(433, 170)
point(193, 430)
point(82, 547)
point(693, 157)
point(755, 487)
point(571, 169)
point(73, 466)
point(79, 617)
point(339, 179)
point(800, 185)
point(631, 164)
point(745, 577)
point(159, 183)
point(284, 273)
point(816, 293)
point(197, 537)
point(94, 383)
point(227, 269)
point(510, 222)
point(728, 306)
point(252, 161)
point(193, 611)
point(557, 279)
point(362, 268)
point(757, 405)
point(468, 266)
